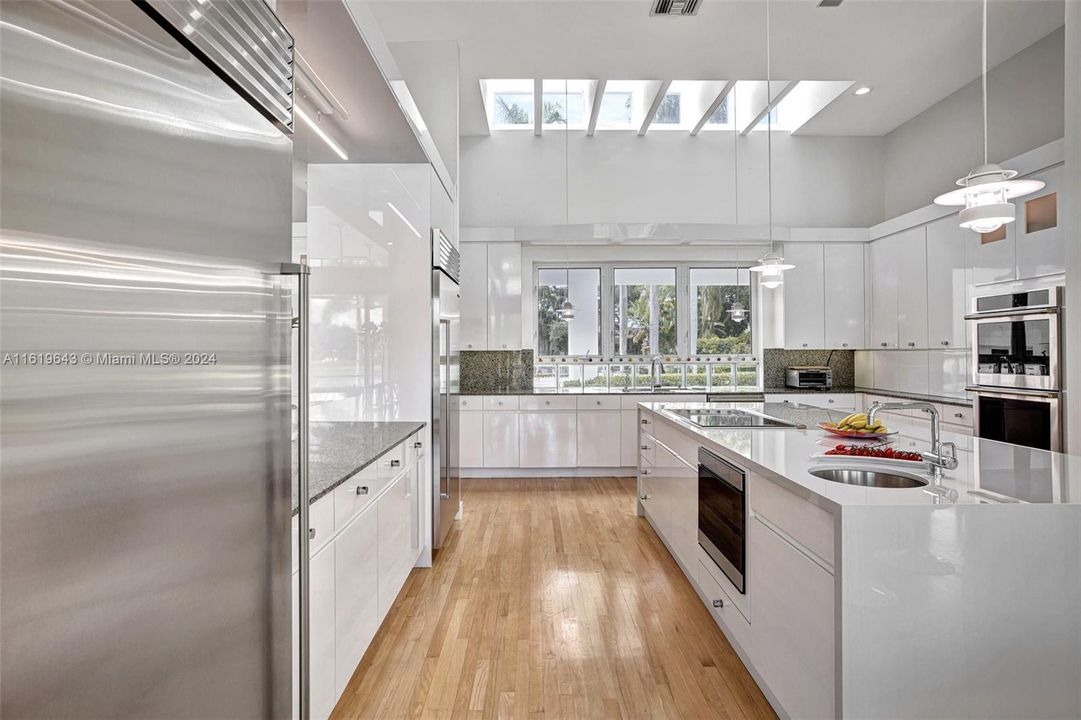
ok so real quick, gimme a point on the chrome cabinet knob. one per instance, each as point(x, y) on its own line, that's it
point(646, 497)
point(884, 344)
point(804, 344)
point(362, 489)
point(645, 447)
point(645, 422)
point(958, 415)
point(912, 344)
point(718, 603)
point(945, 342)
point(645, 471)
point(844, 344)
point(395, 463)
point(418, 445)
point(311, 533)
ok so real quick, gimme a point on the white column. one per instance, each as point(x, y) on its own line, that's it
point(1071, 217)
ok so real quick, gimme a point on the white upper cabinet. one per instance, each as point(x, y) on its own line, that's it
point(948, 278)
point(474, 296)
point(911, 288)
point(991, 259)
point(504, 284)
point(804, 297)
point(1040, 246)
point(843, 295)
point(885, 258)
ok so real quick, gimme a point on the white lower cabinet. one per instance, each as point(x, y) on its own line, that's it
point(500, 439)
point(356, 605)
point(792, 624)
point(471, 439)
point(598, 438)
point(628, 438)
point(548, 439)
point(394, 542)
point(322, 630)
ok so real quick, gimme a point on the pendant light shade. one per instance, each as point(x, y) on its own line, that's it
point(737, 311)
point(985, 192)
point(772, 267)
point(566, 310)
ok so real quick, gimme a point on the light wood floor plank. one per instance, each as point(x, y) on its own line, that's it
point(551, 600)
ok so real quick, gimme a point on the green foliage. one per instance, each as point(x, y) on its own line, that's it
point(638, 319)
point(510, 113)
point(718, 333)
point(551, 326)
point(552, 113)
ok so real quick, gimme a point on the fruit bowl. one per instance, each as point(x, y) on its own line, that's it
point(861, 434)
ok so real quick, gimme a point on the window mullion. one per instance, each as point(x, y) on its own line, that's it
point(607, 325)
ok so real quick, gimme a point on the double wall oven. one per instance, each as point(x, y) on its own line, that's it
point(1017, 367)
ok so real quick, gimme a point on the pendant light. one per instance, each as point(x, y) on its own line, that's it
point(771, 265)
point(737, 311)
point(566, 310)
point(985, 192)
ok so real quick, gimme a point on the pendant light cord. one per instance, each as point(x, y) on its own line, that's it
point(984, 62)
point(769, 134)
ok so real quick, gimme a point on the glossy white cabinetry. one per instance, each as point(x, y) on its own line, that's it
point(830, 401)
point(504, 296)
point(804, 297)
point(993, 261)
point(792, 624)
point(1043, 250)
point(598, 438)
point(912, 289)
point(843, 295)
point(471, 439)
point(322, 628)
point(473, 304)
point(628, 438)
point(500, 432)
point(394, 541)
point(547, 439)
point(356, 607)
point(948, 279)
point(885, 259)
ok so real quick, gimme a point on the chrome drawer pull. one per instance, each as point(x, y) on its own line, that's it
point(395, 463)
point(718, 603)
point(647, 497)
point(362, 489)
point(418, 445)
point(645, 447)
point(311, 533)
point(645, 471)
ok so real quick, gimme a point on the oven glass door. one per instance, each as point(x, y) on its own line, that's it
point(722, 517)
point(1032, 422)
point(1016, 352)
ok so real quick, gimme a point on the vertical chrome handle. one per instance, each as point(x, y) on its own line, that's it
point(307, 532)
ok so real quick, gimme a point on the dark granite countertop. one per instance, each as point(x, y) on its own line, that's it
point(339, 450)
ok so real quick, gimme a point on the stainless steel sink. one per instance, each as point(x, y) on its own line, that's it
point(869, 478)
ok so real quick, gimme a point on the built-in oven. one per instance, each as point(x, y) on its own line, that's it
point(722, 515)
point(1016, 360)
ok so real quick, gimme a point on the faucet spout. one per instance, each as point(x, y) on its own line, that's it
point(937, 458)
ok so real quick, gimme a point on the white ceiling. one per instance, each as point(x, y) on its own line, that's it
point(912, 52)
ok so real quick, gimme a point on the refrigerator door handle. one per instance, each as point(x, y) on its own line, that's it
point(302, 273)
point(444, 461)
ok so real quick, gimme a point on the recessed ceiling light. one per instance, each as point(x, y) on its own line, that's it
point(862, 90)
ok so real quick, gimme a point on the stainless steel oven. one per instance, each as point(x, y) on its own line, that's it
point(722, 515)
point(1017, 365)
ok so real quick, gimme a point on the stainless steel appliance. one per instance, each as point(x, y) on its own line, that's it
point(1016, 366)
point(722, 515)
point(144, 393)
point(733, 418)
point(446, 491)
point(809, 377)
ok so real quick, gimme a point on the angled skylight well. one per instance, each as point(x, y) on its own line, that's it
point(686, 103)
point(807, 99)
point(566, 104)
point(625, 103)
point(508, 104)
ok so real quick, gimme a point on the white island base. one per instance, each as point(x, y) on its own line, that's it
point(883, 603)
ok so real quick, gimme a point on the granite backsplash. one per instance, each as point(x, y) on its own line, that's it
point(496, 372)
point(775, 360)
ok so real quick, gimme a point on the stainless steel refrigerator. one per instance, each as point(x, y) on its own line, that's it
point(145, 337)
point(446, 490)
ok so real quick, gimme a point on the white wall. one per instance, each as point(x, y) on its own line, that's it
point(514, 178)
point(430, 69)
point(1071, 221)
point(923, 157)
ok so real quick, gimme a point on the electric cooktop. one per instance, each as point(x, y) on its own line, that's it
point(734, 418)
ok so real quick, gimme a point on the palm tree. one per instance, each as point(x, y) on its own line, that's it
point(510, 114)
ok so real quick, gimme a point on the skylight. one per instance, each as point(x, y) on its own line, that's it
point(566, 104)
point(685, 103)
point(625, 103)
point(806, 100)
point(509, 103)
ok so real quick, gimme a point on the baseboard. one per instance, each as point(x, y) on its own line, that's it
point(547, 472)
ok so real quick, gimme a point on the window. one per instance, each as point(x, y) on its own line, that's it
point(644, 311)
point(564, 103)
point(574, 328)
point(668, 111)
point(615, 109)
point(717, 324)
point(720, 115)
point(513, 108)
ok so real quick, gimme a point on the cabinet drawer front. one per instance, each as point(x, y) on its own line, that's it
point(646, 452)
point(721, 607)
point(471, 403)
point(500, 402)
point(598, 402)
point(956, 415)
point(805, 523)
point(630, 402)
point(546, 402)
point(355, 494)
point(414, 447)
point(321, 523)
point(391, 463)
point(839, 401)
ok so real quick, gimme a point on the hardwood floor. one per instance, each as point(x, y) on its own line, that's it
point(552, 599)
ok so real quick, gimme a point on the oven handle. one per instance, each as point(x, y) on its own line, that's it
point(1012, 312)
point(713, 457)
point(1016, 393)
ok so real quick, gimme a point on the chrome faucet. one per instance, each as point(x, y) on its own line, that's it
point(937, 458)
point(657, 362)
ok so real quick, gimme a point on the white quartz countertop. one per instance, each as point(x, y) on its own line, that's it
point(988, 472)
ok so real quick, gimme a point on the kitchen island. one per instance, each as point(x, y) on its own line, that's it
point(955, 599)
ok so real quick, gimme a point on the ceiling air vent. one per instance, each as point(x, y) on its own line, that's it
point(675, 7)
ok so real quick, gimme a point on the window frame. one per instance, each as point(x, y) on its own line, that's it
point(537, 268)
point(683, 314)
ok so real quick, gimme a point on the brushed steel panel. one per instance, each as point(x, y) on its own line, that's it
point(144, 507)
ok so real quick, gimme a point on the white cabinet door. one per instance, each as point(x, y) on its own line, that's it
point(948, 279)
point(993, 260)
point(356, 598)
point(321, 624)
point(792, 637)
point(804, 297)
point(443, 210)
point(471, 439)
point(394, 528)
point(843, 297)
point(548, 439)
point(504, 283)
point(683, 511)
point(473, 306)
point(911, 288)
point(1040, 246)
point(884, 275)
point(598, 438)
point(628, 438)
point(500, 439)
